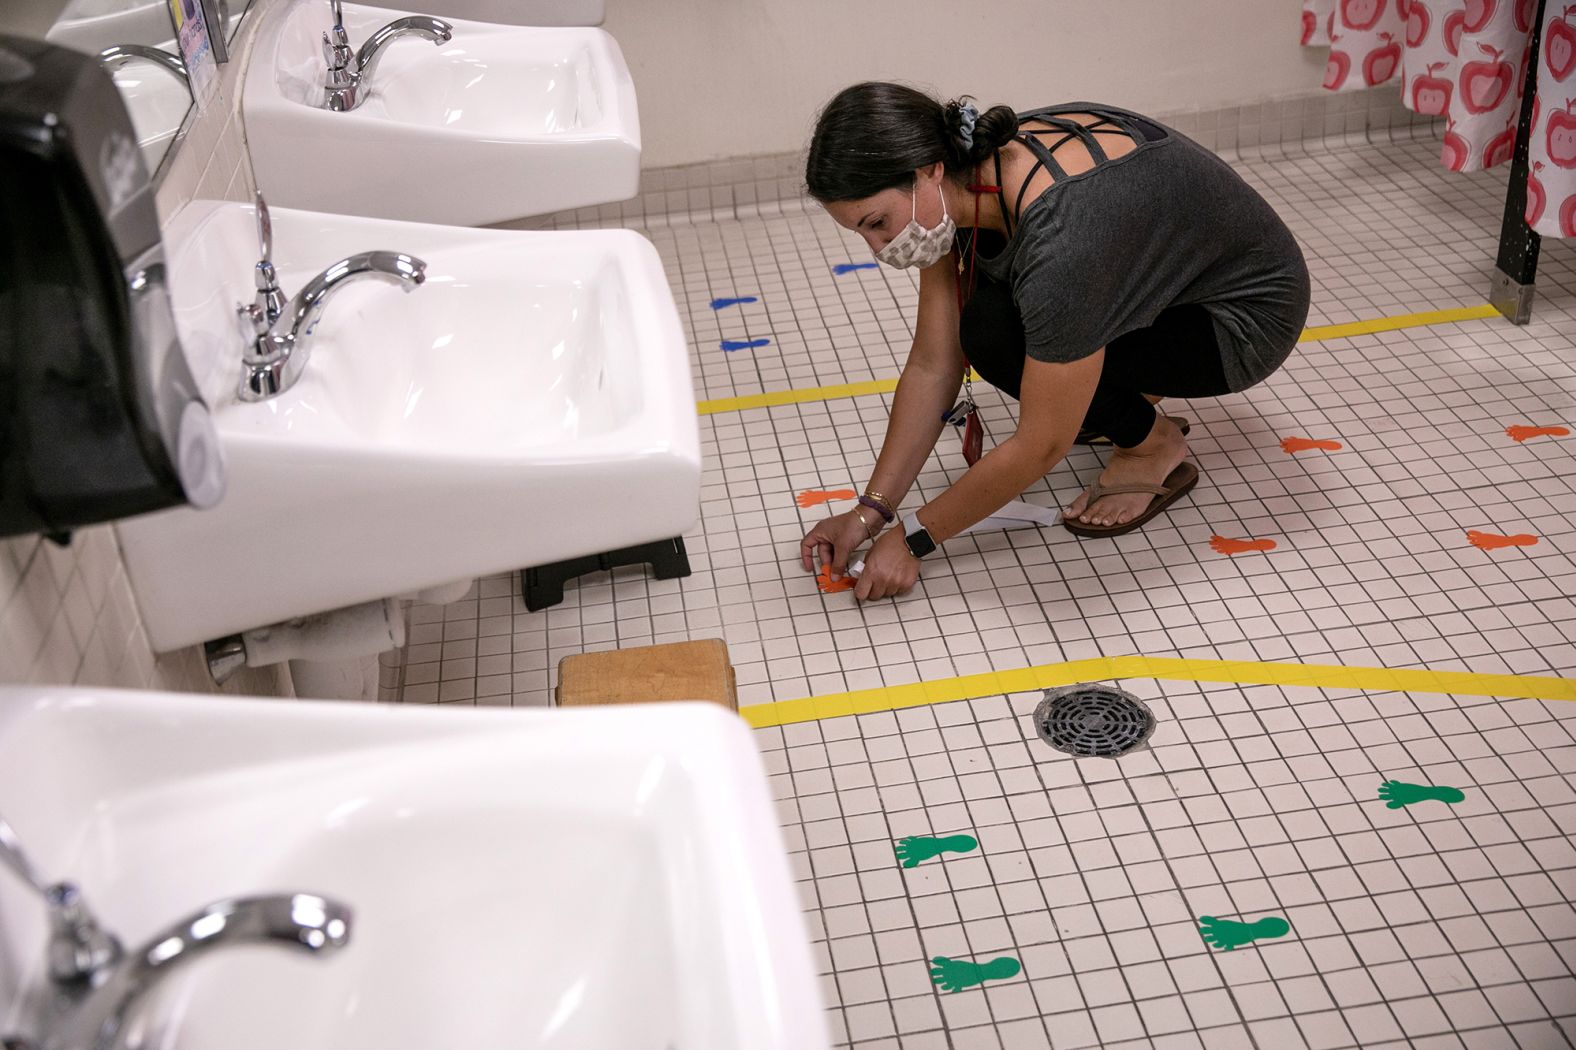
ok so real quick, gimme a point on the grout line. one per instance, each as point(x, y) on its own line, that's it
point(886, 386)
point(1245, 672)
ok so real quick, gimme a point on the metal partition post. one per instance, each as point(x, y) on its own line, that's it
point(1516, 269)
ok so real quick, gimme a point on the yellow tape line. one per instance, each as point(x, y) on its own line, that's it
point(1105, 668)
point(789, 397)
point(1391, 324)
point(886, 386)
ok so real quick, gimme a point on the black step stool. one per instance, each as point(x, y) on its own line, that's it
point(543, 586)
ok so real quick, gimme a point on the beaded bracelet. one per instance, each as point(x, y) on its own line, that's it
point(878, 503)
point(873, 494)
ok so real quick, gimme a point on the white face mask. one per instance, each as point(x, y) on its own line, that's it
point(917, 246)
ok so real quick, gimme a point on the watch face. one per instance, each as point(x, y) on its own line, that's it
point(919, 543)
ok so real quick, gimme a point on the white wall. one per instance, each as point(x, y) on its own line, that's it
point(735, 78)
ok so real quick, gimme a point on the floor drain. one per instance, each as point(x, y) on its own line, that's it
point(1093, 721)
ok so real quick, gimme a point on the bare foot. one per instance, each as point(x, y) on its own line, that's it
point(1146, 464)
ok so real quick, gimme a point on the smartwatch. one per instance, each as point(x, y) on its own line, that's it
point(916, 536)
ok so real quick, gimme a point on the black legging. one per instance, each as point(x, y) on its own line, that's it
point(1177, 356)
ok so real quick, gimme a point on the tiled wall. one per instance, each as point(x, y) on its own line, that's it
point(66, 613)
point(210, 162)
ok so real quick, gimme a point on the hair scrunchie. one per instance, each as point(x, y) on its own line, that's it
point(968, 116)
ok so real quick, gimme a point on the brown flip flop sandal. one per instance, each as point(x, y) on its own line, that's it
point(1090, 438)
point(1178, 482)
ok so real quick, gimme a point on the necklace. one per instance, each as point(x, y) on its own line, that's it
point(966, 273)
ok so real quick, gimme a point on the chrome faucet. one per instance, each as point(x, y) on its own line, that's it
point(171, 63)
point(347, 72)
point(78, 945)
point(96, 986)
point(278, 334)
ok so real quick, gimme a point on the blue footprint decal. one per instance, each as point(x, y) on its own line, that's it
point(731, 345)
point(842, 268)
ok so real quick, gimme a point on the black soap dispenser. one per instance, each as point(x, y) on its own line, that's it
point(100, 417)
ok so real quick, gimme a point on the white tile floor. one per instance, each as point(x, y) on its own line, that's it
point(1444, 925)
point(1372, 563)
point(1432, 925)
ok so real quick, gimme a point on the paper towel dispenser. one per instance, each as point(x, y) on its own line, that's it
point(100, 417)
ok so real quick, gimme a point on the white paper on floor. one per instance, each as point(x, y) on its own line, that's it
point(1015, 515)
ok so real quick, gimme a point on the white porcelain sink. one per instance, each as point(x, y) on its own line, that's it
point(521, 12)
point(584, 880)
point(93, 25)
point(530, 402)
point(498, 123)
point(156, 100)
point(157, 103)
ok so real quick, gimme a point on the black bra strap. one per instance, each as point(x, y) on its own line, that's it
point(1042, 159)
point(1017, 203)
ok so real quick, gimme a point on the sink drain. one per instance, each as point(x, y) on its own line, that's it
point(1093, 721)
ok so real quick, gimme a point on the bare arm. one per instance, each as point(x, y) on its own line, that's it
point(929, 385)
point(1055, 398)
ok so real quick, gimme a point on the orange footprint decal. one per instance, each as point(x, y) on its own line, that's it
point(823, 580)
point(814, 497)
point(1296, 445)
point(1490, 542)
point(1523, 433)
point(1224, 546)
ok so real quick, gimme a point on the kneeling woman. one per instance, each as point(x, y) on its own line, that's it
point(1106, 262)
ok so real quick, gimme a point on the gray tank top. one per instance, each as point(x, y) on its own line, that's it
point(1103, 252)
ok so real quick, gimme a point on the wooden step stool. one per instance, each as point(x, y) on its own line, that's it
point(649, 674)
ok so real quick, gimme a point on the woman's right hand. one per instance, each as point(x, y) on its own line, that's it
point(834, 540)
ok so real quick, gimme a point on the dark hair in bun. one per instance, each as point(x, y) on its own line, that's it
point(872, 136)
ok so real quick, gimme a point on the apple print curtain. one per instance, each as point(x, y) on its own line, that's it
point(1466, 61)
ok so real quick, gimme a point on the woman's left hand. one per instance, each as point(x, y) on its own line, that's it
point(890, 569)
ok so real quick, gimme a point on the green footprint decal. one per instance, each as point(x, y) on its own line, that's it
point(917, 848)
point(1398, 794)
point(951, 975)
point(1229, 934)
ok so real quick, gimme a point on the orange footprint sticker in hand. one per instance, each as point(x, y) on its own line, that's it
point(1224, 546)
point(1519, 433)
point(1296, 445)
point(823, 580)
point(813, 497)
point(1490, 542)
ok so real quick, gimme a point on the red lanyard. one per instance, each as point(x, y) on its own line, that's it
point(974, 243)
point(974, 430)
